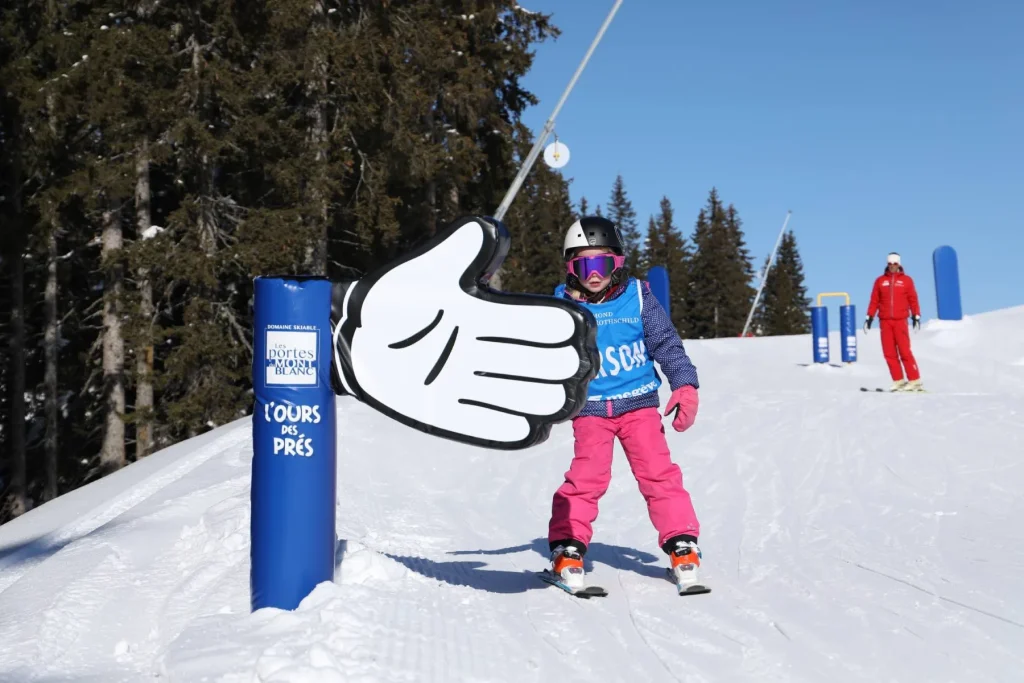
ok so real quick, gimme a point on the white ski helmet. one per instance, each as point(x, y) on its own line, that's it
point(592, 231)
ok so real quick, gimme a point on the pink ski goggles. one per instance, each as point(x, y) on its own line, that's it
point(602, 264)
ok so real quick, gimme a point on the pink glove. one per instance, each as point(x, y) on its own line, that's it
point(684, 398)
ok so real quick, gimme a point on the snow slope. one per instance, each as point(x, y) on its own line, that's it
point(849, 536)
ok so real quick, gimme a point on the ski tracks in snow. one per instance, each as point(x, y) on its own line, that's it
point(381, 620)
point(818, 499)
point(133, 552)
point(843, 539)
point(18, 562)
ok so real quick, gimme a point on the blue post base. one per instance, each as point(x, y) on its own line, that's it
point(947, 284)
point(658, 278)
point(819, 333)
point(294, 442)
point(848, 332)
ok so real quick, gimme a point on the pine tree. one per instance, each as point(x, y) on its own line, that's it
point(783, 308)
point(19, 29)
point(124, 89)
point(667, 247)
point(720, 295)
point(584, 208)
point(742, 292)
point(154, 158)
point(621, 212)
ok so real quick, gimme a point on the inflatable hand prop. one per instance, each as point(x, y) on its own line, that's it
point(426, 342)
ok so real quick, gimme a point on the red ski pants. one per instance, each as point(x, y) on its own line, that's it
point(896, 348)
point(574, 507)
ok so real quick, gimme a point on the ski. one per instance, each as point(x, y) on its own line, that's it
point(685, 590)
point(887, 391)
point(598, 592)
point(586, 592)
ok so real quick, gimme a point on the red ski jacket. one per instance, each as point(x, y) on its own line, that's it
point(894, 297)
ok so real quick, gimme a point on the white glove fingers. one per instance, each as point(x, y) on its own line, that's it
point(533, 324)
point(527, 398)
point(532, 362)
point(479, 422)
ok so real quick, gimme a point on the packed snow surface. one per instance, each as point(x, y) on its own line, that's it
point(848, 536)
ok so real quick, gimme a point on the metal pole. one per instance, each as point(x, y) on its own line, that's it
point(550, 124)
point(764, 274)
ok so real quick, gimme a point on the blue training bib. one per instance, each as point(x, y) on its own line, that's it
point(625, 368)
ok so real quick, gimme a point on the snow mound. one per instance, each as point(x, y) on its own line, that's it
point(848, 536)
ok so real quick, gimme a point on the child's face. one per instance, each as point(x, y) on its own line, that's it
point(596, 282)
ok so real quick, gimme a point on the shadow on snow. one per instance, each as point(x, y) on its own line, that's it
point(475, 574)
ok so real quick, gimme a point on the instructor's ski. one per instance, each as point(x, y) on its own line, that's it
point(889, 391)
point(586, 592)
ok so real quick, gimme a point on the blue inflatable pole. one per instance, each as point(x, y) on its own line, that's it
point(658, 277)
point(294, 441)
point(848, 332)
point(819, 333)
point(947, 283)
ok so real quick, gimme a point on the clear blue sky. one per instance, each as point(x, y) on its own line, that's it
point(882, 125)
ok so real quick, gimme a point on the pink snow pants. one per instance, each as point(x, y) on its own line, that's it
point(574, 507)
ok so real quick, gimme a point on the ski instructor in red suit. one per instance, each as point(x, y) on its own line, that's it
point(894, 298)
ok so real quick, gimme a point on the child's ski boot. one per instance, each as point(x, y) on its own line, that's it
point(685, 569)
point(567, 573)
point(567, 566)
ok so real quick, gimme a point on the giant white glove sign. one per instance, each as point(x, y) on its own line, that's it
point(425, 341)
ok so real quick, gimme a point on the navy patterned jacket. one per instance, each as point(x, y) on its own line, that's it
point(664, 346)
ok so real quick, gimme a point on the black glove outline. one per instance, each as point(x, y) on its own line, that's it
point(347, 314)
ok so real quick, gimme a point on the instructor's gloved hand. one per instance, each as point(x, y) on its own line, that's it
point(426, 342)
point(917, 322)
point(684, 400)
point(867, 323)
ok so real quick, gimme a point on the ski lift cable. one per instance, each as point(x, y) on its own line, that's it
point(550, 124)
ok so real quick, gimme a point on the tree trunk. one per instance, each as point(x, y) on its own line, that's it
point(316, 251)
point(112, 456)
point(144, 354)
point(206, 222)
point(433, 212)
point(50, 341)
point(51, 333)
point(18, 500)
point(453, 199)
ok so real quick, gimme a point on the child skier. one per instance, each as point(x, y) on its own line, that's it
point(633, 330)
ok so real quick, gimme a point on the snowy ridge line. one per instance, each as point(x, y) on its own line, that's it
point(14, 565)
